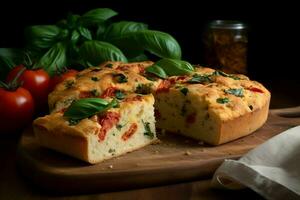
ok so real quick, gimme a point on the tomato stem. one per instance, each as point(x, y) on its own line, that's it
point(27, 61)
point(14, 84)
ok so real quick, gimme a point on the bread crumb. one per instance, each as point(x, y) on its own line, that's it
point(110, 166)
point(188, 153)
point(158, 141)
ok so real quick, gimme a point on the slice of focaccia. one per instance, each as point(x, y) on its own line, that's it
point(102, 136)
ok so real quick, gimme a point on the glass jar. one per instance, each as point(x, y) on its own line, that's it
point(226, 46)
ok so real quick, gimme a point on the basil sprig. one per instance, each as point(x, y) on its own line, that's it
point(87, 107)
point(92, 38)
point(170, 67)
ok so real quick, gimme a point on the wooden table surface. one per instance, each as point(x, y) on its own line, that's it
point(14, 186)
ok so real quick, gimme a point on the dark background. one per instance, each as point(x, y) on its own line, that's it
point(273, 38)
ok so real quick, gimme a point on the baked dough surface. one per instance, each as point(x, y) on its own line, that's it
point(217, 110)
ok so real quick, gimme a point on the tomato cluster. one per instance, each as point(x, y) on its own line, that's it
point(27, 96)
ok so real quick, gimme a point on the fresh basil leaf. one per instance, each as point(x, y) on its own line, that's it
point(174, 67)
point(75, 37)
point(53, 59)
point(158, 43)
point(84, 32)
point(96, 16)
point(72, 21)
point(236, 92)
point(96, 52)
point(116, 33)
point(197, 78)
point(87, 107)
point(42, 36)
point(222, 100)
point(139, 58)
point(62, 24)
point(9, 58)
point(101, 30)
point(157, 70)
point(119, 29)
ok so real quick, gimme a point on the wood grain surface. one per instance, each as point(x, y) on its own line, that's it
point(173, 160)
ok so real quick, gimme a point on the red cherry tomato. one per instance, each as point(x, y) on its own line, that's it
point(17, 108)
point(36, 81)
point(56, 79)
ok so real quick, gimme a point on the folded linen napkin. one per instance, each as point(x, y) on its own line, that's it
point(272, 169)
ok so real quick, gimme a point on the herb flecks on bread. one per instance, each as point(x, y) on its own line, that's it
point(203, 104)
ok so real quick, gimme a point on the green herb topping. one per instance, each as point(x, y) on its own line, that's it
point(236, 92)
point(223, 100)
point(73, 122)
point(69, 84)
point(95, 79)
point(197, 78)
point(119, 94)
point(111, 151)
point(109, 65)
point(143, 88)
point(95, 92)
point(120, 78)
point(184, 91)
point(220, 73)
point(148, 131)
point(119, 127)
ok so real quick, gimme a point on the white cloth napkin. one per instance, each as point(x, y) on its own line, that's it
point(272, 169)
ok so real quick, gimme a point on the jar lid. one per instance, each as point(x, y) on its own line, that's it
point(227, 24)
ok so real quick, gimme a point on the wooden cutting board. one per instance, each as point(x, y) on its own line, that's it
point(175, 159)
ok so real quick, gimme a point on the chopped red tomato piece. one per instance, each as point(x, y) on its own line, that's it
point(107, 121)
point(123, 67)
point(135, 98)
point(62, 110)
point(180, 78)
point(85, 94)
point(109, 92)
point(191, 118)
point(141, 69)
point(254, 89)
point(164, 86)
point(132, 129)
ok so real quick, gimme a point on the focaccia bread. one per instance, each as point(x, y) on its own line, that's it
point(103, 136)
point(206, 105)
